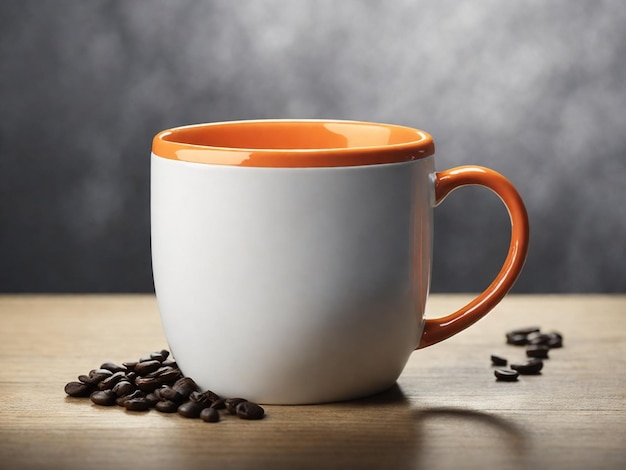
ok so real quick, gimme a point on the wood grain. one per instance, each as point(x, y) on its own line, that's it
point(446, 411)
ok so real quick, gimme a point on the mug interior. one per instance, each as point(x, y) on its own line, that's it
point(291, 143)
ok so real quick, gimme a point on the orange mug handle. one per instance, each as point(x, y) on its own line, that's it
point(439, 329)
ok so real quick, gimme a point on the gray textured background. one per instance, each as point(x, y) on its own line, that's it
point(534, 89)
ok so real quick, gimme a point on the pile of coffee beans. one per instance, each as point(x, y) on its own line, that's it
point(155, 381)
point(537, 346)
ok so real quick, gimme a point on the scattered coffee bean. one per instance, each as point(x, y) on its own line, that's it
point(517, 340)
point(132, 396)
point(103, 397)
point(212, 395)
point(506, 375)
point(537, 350)
point(166, 406)
point(531, 367)
point(160, 355)
point(144, 368)
point(155, 381)
point(137, 404)
point(95, 376)
point(249, 410)
point(100, 374)
point(204, 398)
point(167, 393)
point(498, 360)
point(111, 380)
point(162, 376)
point(219, 404)
point(524, 331)
point(78, 389)
point(190, 409)
point(555, 341)
point(538, 339)
point(231, 404)
point(130, 366)
point(534, 336)
point(121, 400)
point(147, 384)
point(210, 415)
point(152, 399)
point(185, 386)
point(86, 379)
point(200, 398)
point(170, 363)
point(113, 367)
point(519, 336)
point(165, 374)
point(123, 388)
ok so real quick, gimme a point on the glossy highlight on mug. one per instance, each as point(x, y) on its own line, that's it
point(293, 144)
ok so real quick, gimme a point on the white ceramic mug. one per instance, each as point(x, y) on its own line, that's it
point(292, 259)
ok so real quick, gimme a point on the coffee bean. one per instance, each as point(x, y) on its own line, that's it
point(113, 367)
point(110, 381)
point(524, 331)
point(162, 376)
point(95, 376)
point(538, 339)
point(531, 367)
point(519, 336)
point(555, 340)
point(231, 404)
point(86, 379)
point(207, 397)
point(137, 404)
point(537, 350)
point(249, 410)
point(152, 399)
point(517, 340)
point(506, 375)
point(103, 397)
point(498, 360)
point(212, 395)
point(147, 384)
point(170, 363)
point(166, 406)
point(165, 374)
point(168, 393)
point(119, 401)
point(200, 398)
point(160, 355)
point(123, 388)
point(136, 394)
point(219, 404)
point(102, 372)
point(78, 389)
point(190, 409)
point(210, 415)
point(144, 368)
point(185, 386)
point(130, 366)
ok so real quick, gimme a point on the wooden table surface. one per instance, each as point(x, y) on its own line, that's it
point(447, 410)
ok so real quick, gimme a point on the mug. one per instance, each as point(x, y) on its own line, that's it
point(292, 258)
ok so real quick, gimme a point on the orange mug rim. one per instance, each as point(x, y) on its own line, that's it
point(317, 143)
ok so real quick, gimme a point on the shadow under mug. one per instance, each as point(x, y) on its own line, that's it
point(292, 258)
